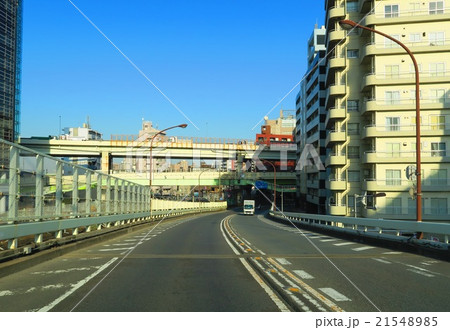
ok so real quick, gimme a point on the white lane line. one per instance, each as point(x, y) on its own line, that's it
point(345, 243)
point(393, 252)
point(304, 275)
point(420, 272)
point(283, 261)
point(363, 248)
point(6, 293)
point(382, 261)
point(336, 296)
point(60, 271)
point(76, 287)
point(329, 240)
point(115, 249)
point(123, 244)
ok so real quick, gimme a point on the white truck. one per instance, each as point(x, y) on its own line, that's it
point(249, 206)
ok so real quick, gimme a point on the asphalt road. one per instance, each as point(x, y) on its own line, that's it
point(216, 262)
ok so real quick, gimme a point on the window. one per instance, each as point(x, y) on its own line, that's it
point(437, 38)
point(353, 152)
point(393, 149)
point(391, 11)
point(394, 205)
point(438, 149)
point(436, 7)
point(352, 7)
point(437, 69)
point(392, 71)
point(353, 129)
point(437, 95)
point(437, 178)
point(352, 53)
point(388, 43)
point(439, 206)
point(393, 177)
point(392, 123)
point(392, 97)
point(352, 105)
point(412, 94)
point(353, 176)
point(437, 122)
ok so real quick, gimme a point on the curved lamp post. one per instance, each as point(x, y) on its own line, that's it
point(151, 155)
point(348, 25)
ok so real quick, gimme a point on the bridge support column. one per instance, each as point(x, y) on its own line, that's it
point(106, 162)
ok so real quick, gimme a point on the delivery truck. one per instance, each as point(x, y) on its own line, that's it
point(249, 206)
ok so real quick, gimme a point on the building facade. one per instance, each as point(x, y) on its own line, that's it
point(10, 71)
point(310, 132)
point(370, 104)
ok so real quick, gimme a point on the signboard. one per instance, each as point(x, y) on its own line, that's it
point(261, 185)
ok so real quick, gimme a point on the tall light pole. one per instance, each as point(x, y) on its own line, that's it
point(151, 155)
point(348, 25)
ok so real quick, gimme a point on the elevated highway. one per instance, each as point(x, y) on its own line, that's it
point(172, 148)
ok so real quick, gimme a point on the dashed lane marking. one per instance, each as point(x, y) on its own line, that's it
point(382, 261)
point(115, 249)
point(329, 240)
point(283, 261)
point(363, 248)
point(343, 244)
point(335, 295)
point(420, 272)
point(304, 275)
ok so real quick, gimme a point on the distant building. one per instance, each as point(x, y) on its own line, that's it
point(10, 70)
point(311, 126)
point(84, 133)
point(280, 130)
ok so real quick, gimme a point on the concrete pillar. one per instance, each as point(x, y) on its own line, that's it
point(106, 162)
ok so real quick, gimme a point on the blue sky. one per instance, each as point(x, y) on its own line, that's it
point(224, 64)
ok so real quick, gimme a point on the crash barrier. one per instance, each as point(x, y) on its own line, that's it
point(435, 235)
point(45, 198)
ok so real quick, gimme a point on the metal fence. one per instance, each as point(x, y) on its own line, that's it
point(43, 198)
point(435, 234)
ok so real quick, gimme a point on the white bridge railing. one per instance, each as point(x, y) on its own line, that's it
point(44, 198)
point(435, 235)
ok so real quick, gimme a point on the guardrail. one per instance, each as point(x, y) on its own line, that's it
point(44, 198)
point(436, 235)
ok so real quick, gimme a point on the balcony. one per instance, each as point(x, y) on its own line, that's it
point(404, 130)
point(336, 36)
point(338, 210)
point(336, 13)
point(335, 160)
point(408, 17)
point(335, 114)
point(405, 157)
point(335, 137)
point(384, 48)
point(339, 185)
point(381, 104)
point(405, 78)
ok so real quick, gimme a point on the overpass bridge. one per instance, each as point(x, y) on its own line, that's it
point(171, 148)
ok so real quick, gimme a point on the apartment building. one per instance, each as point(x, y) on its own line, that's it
point(10, 73)
point(370, 104)
point(311, 117)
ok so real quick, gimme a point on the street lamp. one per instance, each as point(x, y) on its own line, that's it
point(151, 155)
point(348, 25)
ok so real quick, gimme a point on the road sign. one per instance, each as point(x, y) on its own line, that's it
point(261, 185)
